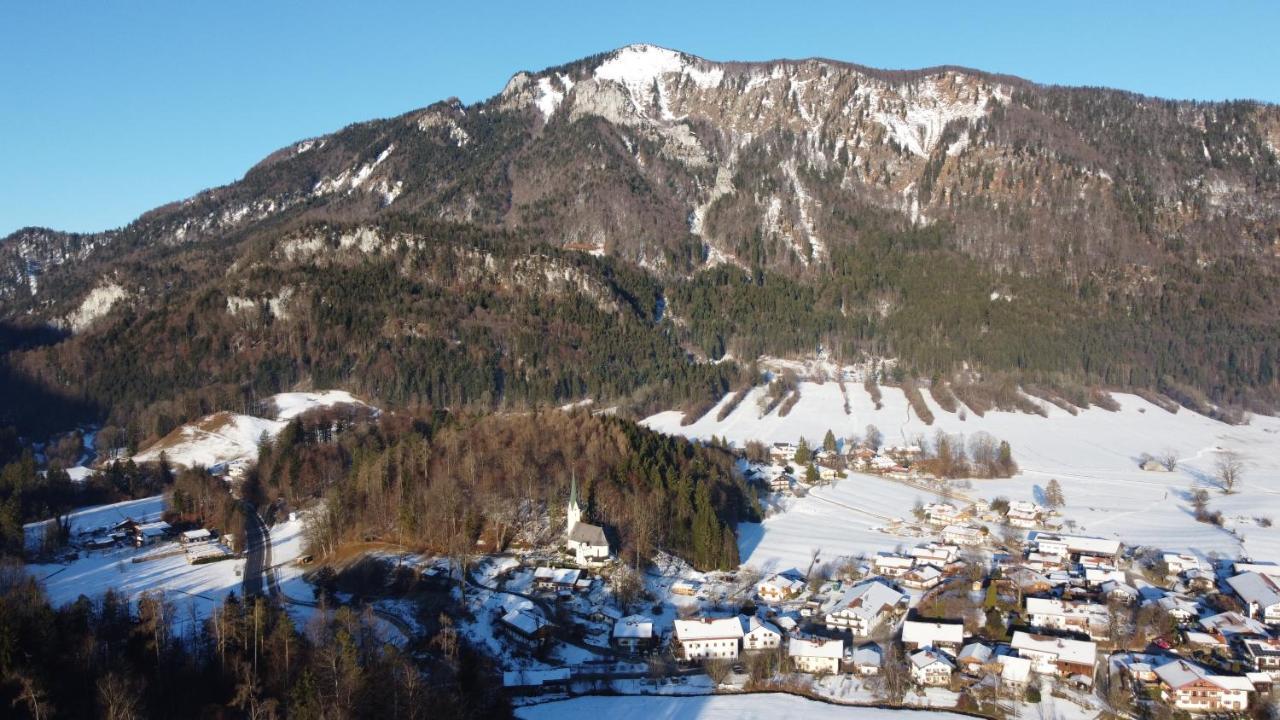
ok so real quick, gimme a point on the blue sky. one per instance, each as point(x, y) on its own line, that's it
point(108, 109)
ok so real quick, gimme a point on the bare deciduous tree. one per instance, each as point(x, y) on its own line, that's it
point(1229, 470)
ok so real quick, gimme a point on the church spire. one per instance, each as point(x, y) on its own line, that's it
point(573, 488)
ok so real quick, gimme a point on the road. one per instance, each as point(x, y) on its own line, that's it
point(257, 552)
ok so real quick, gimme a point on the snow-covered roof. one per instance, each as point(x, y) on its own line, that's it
point(1233, 623)
point(1256, 588)
point(785, 583)
point(815, 647)
point(868, 600)
point(154, 529)
point(867, 655)
point(1180, 673)
point(1081, 543)
point(524, 620)
point(588, 534)
point(894, 561)
point(751, 623)
point(200, 534)
point(1014, 669)
point(962, 530)
point(928, 656)
point(708, 628)
point(559, 576)
point(1082, 652)
point(929, 632)
point(975, 652)
point(634, 626)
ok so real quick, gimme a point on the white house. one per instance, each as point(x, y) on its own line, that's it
point(866, 659)
point(941, 513)
point(864, 606)
point(921, 577)
point(892, 566)
point(587, 542)
point(930, 667)
point(1178, 563)
point(935, 553)
point(1015, 672)
point(1192, 688)
point(816, 655)
point(1062, 657)
point(934, 634)
point(962, 535)
point(759, 635)
point(780, 587)
point(1079, 545)
point(973, 656)
point(1233, 623)
point(709, 638)
point(633, 633)
point(1053, 614)
point(1260, 594)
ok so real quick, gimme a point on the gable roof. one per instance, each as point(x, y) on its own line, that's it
point(928, 632)
point(633, 626)
point(815, 647)
point(868, 600)
point(1180, 673)
point(588, 534)
point(1256, 588)
point(928, 656)
point(1081, 652)
point(709, 628)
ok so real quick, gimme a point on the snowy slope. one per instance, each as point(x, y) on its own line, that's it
point(226, 438)
point(1093, 455)
point(714, 707)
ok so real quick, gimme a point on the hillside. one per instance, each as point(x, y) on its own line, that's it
point(602, 228)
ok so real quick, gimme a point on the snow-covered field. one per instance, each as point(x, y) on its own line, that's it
point(227, 438)
point(714, 707)
point(1094, 455)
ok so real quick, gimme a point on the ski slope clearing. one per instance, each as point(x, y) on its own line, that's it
point(1094, 456)
point(770, 706)
point(231, 439)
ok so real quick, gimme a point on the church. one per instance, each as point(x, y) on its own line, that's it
point(587, 542)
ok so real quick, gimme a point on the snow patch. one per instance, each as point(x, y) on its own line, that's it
point(95, 305)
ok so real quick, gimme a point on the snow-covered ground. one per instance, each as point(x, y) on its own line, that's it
point(227, 438)
point(714, 707)
point(89, 519)
point(1094, 455)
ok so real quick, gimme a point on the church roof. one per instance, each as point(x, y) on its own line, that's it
point(588, 533)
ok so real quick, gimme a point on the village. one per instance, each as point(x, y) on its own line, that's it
point(994, 607)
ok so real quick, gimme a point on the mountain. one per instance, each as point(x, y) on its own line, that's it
point(608, 227)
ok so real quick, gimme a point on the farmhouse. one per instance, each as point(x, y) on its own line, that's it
point(759, 635)
point(633, 633)
point(892, 566)
point(816, 655)
point(526, 627)
point(1260, 594)
point(917, 634)
point(930, 667)
point(708, 638)
point(921, 577)
point(780, 587)
point(962, 535)
point(549, 578)
point(1057, 656)
point(1190, 687)
point(867, 659)
point(1077, 545)
point(864, 606)
point(1053, 614)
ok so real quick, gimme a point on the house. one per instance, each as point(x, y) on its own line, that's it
point(191, 537)
point(1182, 610)
point(1015, 672)
point(936, 634)
point(921, 577)
point(941, 513)
point(1053, 614)
point(962, 535)
point(1062, 657)
point(866, 659)
point(935, 553)
point(140, 533)
point(1262, 654)
point(781, 482)
point(973, 656)
point(1178, 563)
point(687, 588)
point(864, 606)
point(892, 566)
point(1119, 592)
point(782, 452)
point(1027, 580)
point(1260, 594)
point(930, 668)
point(1023, 514)
point(1233, 623)
point(558, 579)
point(1262, 568)
point(780, 587)
point(1077, 545)
point(1189, 687)
point(525, 626)
point(708, 638)
point(816, 655)
point(633, 634)
point(1198, 580)
point(759, 635)
point(587, 542)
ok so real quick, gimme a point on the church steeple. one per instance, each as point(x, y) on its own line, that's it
point(573, 514)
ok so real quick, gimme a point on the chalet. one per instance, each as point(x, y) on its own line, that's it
point(708, 638)
point(1189, 687)
point(1182, 610)
point(935, 553)
point(930, 667)
point(816, 655)
point(939, 635)
point(1052, 614)
point(587, 542)
point(892, 566)
point(780, 587)
point(759, 635)
point(973, 656)
point(1233, 623)
point(633, 634)
point(1178, 563)
point(941, 513)
point(962, 535)
point(1260, 594)
point(781, 482)
point(526, 627)
point(1262, 654)
point(191, 537)
point(866, 659)
point(1015, 672)
point(557, 579)
point(1077, 546)
point(1062, 657)
point(921, 577)
point(864, 606)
